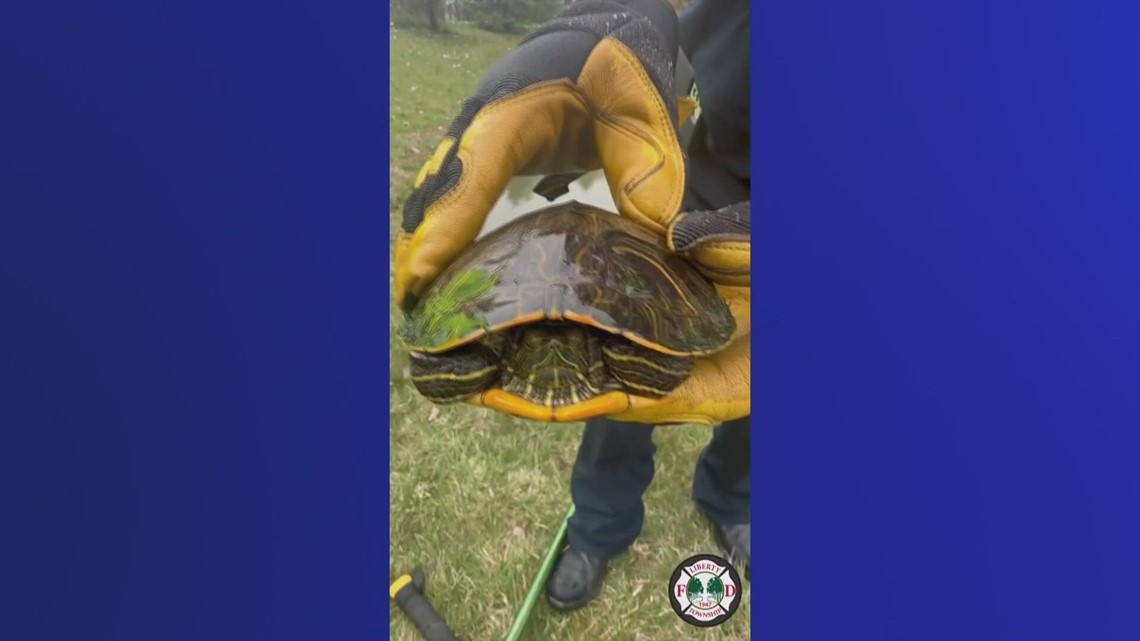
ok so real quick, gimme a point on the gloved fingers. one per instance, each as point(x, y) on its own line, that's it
point(635, 130)
point(628, 79)
point(457, 187)
point(719, 241)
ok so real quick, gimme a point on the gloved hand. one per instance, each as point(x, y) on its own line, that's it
point(591, 89)
point(719, 388)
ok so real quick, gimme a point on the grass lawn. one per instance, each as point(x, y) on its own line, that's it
point(477, 496)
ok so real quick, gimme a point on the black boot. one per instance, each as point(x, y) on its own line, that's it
point(575, 581)
point(736, 541)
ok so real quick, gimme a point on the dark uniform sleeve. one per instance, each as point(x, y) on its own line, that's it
point(715, 37)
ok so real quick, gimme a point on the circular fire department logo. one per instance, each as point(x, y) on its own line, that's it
point(705, 590)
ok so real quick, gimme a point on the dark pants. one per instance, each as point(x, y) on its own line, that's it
point(614, 468)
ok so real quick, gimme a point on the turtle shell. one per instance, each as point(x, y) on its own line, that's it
point(577, 263)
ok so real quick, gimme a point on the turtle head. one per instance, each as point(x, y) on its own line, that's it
point(553, 363)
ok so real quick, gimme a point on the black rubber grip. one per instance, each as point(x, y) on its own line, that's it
point(423, 616)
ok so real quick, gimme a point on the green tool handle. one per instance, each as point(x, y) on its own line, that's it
point(539, 581)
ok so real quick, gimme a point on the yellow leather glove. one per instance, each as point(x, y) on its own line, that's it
point(719, 388)
point(591, 89)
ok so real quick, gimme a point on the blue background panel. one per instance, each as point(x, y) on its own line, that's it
point(946, 292)
point(193, 248)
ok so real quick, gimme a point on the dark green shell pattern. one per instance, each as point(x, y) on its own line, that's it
point(572, 258)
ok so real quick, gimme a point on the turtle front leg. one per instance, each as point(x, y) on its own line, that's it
point(454, 375)
point(643, 371)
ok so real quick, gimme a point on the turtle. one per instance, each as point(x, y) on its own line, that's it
point(563, 313)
